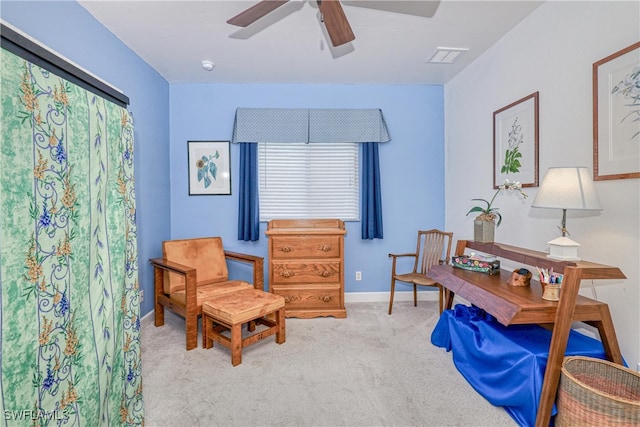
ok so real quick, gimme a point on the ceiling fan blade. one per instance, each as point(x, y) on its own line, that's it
point(335, 22)
point(255, 12)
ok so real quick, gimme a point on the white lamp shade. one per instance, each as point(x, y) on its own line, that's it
point(567, 188)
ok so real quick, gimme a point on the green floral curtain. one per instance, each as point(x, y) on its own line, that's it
point(70, 349)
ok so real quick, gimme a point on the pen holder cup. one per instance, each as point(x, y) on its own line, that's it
point(550, 291)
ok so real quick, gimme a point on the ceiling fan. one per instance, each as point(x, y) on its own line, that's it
point(333, 16)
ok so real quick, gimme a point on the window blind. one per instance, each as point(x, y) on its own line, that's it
point(308, 181)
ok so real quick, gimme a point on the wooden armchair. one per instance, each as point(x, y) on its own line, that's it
point(433, 247)
point(195, 270)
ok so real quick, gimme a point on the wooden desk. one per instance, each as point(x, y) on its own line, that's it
point(524, 305)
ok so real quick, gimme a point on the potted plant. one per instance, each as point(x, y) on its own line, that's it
point(489, 218)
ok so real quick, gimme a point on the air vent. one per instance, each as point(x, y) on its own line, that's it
point(446, 55)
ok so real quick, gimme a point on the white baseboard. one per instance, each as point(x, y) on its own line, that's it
point(147, 318)
point(384, 296)
point(361, 297)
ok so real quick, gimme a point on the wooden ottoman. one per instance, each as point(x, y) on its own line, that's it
point(230, 311)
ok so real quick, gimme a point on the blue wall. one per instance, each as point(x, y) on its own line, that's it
point(411, 164)
point(167, 116)
point(69, 29)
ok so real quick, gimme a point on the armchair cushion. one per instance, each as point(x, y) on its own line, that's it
point(205, 255)
point(207, 291)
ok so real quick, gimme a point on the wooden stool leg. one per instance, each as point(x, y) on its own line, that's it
point(281, 335)
point(236, 344)
point(207, 331)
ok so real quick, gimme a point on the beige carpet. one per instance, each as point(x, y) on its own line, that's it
point(370, 369)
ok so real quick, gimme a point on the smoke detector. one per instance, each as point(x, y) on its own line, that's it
point(208, 65)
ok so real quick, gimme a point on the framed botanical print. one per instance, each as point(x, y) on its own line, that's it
point(209, 168)
point(515, 142)
point(616, 115)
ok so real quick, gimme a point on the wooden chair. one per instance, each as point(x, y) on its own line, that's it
point(192, 271)
point(433, 247)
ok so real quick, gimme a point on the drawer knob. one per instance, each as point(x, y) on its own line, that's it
point(286, 273)
point(285, 249)
point(325, 273)
point(325, 248)
point(326, 298)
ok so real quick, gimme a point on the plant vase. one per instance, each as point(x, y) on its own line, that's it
point(483, 230)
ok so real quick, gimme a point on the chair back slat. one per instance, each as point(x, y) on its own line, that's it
point(433, 246)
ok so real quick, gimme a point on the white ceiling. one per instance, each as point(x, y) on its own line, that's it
point(290, 44)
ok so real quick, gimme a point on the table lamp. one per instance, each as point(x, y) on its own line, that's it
point(566, 188)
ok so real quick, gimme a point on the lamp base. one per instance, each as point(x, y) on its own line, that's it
point(564, 249)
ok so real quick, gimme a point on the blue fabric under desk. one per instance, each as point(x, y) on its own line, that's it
point(504, 364)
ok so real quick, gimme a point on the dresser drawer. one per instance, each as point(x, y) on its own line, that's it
point(310, 297)
point(305, 272)
point(290, 247)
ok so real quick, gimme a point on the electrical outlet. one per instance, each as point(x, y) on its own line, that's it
point(141, 296)
point(358, 275)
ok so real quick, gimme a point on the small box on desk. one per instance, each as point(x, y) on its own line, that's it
point(474, 262)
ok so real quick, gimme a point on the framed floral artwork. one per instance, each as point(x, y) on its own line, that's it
point(209, 168)
point(616, 115)
point(515, 142)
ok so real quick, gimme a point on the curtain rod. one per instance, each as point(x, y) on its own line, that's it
point(33, 51)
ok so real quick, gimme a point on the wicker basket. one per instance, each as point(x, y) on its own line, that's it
point(596, 392)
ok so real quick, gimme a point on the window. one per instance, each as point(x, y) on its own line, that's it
point(308, 181)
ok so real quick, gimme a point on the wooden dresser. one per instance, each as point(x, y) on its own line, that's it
point(306, 266)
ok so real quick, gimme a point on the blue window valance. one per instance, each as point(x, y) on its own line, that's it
point(309, 125)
